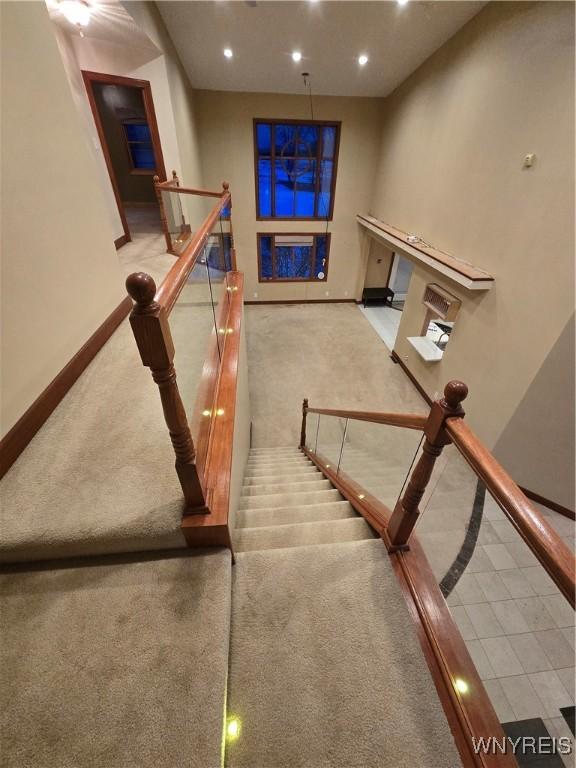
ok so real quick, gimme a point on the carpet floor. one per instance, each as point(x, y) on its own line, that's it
point(325, 667)
point(328, 353)
point(116, 665)
point(326, 670)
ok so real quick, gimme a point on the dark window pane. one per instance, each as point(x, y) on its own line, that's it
point(285, 140)
point(264, 188)
point(266, 256)
point(320, 262)
point(263, 132)
point(284, 187)
point(325, 189)
point(284, 266)
point(329, 141)
point(137, 132)
point(308, 141)
point(142, 156)
point(301, 254)
point(305, 187)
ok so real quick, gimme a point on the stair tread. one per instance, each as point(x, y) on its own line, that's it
point(271, 488)
point(262, 518)
point(299, 476)
point(301, 534)
point(289, 499)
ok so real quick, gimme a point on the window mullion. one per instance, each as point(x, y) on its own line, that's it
point(319, 150)
point(273, 169)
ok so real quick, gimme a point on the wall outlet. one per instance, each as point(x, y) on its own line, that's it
point(327, 293)
point(255, 295)
point(436, 396)
point(345, 293)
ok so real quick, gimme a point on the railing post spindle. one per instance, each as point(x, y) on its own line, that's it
point(303, 430)
point(406, 511)
point(152, 332)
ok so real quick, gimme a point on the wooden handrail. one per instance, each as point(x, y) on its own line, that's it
point(407, 420)
point(530, 524)
point(175, 280)
point(172, 186)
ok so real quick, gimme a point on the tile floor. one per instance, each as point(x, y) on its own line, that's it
point(385, 322)
point(518, 628)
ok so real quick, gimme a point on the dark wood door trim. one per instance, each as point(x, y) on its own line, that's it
point(98, 77)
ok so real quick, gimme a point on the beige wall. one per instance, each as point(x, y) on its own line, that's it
point(549, 402)
point(378, 265)
point(60, 272)
point(226, 138)
point(171, 92)
point(453, 143)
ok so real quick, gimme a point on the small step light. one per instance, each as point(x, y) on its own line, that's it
point(296, 56)
point(461, 685)
point(233, 728)
point(363, 60)
point(228, 53)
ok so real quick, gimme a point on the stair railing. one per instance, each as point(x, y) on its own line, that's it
point(444, 425)
point(182, 209)
point(150, 321)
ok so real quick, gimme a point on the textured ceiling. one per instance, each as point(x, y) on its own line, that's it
point(330, 35)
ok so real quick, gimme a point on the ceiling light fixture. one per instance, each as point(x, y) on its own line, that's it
point(76, 11)
point(296, 56)
point(363, 60)
point(228, 53)
point(402, 2)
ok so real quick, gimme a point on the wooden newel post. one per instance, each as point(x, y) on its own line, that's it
point(303, 430)
point(226, 188)
point(152, 332)
point(406, 511)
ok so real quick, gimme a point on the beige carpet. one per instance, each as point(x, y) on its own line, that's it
point(116, 665)
point(328, 353)
point(325, 667)
point(99, 476)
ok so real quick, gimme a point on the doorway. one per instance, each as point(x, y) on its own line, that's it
point(385, 290)
point(125, 119)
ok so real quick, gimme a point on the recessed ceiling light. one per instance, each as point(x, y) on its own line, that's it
point(363, 59)
point(296, 56)
point(402, 2)
point(228, 53)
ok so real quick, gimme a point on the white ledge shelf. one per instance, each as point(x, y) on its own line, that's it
point(426, 349)
point(459, 271)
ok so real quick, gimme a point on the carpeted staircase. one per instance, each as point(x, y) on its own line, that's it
point(306, 645)
point(325, 667)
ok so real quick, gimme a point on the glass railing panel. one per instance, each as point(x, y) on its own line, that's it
point(517, 626)
point(196, 357)
point(378, 457)
point(215, 254)
point(331, 435)
point(184, 214)
point(312, 431)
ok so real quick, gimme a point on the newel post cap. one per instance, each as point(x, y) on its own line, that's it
point(454, 393)
point(225, 186)
point(141, 288)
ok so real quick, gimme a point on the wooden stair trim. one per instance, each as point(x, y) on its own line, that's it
point(471, 714)
point(212, 529)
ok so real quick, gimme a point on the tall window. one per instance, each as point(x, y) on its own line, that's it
point(139, 145)
point(293, 257)
point(295, 168)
